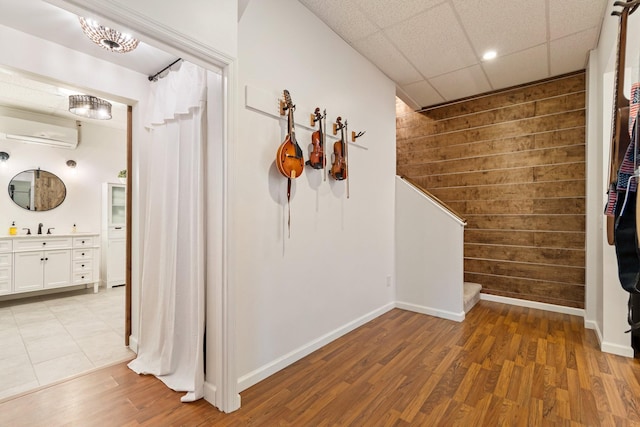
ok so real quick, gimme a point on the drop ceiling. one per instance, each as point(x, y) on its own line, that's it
point(432, 49)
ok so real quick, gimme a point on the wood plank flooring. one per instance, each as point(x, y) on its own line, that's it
point(503, 366)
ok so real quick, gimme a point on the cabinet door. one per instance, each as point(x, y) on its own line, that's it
point(57, 268)
point(5, 280)
point(116, 262)
point(28, 267)
point(117, 204)
point(6, 271)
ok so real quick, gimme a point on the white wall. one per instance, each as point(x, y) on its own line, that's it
point(99, 157)
point(212, 23)
point(429, 255)
point(606, 301)
point(293, 294)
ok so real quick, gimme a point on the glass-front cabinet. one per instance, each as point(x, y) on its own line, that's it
point(117, 194)
point(113, 265)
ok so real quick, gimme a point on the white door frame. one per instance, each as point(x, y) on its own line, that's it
point(220, 381)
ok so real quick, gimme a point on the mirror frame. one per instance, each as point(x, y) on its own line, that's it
point(46, 191)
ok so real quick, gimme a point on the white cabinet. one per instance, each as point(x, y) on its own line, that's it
point(114, 243)
point(29, 266)
point(6, 267)
point(116, 262)
point(47, 267)
point(85, 261)
point(44, 262)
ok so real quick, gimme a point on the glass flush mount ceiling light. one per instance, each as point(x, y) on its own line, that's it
point(90, 106)
point(108, 38)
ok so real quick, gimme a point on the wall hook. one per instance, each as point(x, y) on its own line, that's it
point(355, 136)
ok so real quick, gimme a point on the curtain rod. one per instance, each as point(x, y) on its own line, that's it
point(156, 75)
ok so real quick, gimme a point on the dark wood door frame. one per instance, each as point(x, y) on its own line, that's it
point(127, 304)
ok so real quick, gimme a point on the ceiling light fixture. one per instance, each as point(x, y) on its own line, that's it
point(108, 38)
point(90, 106)
point(71, 163)
point(489, 55)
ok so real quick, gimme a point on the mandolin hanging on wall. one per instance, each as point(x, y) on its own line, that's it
point(289, 158)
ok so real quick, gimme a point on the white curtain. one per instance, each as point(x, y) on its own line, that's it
point(172, 321)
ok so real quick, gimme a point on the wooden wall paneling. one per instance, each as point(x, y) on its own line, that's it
point(546, 89)
point(527, 238)
point(529, 125)
point(513, 164)
point(544, 255)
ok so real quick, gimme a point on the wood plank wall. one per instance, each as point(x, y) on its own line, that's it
point(513, 164)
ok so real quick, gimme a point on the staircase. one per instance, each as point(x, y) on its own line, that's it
point(471, 295)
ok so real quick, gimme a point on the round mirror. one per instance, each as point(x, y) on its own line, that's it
point(37, 190)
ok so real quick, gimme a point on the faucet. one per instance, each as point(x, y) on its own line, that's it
point(28, 231)
point(40, 228)
point(49, 230)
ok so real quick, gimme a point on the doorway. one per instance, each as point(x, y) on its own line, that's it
point(48, 336)
point(221, 382)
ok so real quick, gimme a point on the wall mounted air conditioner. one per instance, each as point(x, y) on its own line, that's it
point(13, 129)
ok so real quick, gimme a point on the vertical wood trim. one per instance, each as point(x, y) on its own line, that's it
point(127, 307)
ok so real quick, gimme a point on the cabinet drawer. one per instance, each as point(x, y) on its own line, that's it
point(82, 242)
point(6, 260)
point(82, 254)
point(36, 244)
point(82, 266)
point(81, 278)
point(5, 280)
point(6, 245)
point(117, 231)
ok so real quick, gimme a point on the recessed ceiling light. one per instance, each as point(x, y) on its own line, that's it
point(489, 55)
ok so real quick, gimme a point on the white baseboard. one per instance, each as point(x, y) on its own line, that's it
point(210, 391)
point(592, 324)
point(533, 304)
point(133, 344)
point(618, 349)
point(449, 315)
point(254, 377)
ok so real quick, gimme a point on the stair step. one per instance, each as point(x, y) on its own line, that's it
point(471, 295)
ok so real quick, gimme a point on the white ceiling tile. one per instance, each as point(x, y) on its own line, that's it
point(570, 53)
point(572, 16)
point(423, 93)
point(433, 41)
point(505, 26)
point(383, 54)
point(343, 17)
point(383, 14)
point(461, 83)
point(518, 68)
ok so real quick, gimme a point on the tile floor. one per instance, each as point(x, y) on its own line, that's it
point(48, 338)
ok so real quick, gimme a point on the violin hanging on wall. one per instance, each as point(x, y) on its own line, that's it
point(340, 167)
point(316, 156)
point(289, 158)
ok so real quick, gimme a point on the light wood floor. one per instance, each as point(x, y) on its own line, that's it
point(503, 366)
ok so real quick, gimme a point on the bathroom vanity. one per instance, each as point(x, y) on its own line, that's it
point(38, 262)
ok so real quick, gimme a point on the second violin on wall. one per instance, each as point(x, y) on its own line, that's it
point(340, 165)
